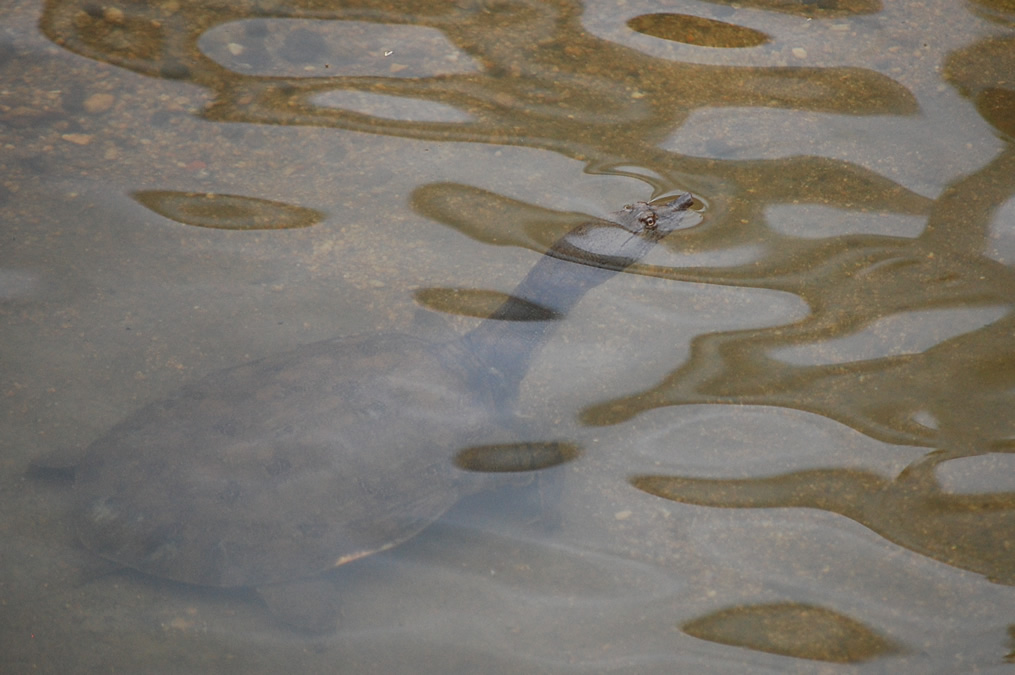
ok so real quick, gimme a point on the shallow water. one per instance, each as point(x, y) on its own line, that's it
point(795, 415)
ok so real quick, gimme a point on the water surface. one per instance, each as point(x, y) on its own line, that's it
point(795, 416)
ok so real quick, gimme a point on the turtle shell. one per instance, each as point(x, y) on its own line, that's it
point(284, 467)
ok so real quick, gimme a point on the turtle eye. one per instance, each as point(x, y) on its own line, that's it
point(648, 220)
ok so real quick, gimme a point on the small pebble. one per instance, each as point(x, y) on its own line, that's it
point(113, 15)
point(99, 103)
point(77, 139)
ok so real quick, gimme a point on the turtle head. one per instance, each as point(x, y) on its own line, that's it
point(653, 221)
point(623, 239)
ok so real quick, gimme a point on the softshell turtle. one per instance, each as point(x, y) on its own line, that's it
point(267, 474)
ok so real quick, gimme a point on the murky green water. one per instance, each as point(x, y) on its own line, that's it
point(795, 416)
